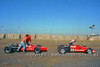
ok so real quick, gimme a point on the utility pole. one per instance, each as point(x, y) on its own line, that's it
point(84, 40)
point(2, 29)
point(92, 27)
point(19, 30)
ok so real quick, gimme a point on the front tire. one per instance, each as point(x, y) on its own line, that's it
point(37, 50)
point(7, 50)
point(89, 51)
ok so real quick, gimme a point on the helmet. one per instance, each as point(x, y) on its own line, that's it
point(73, 40)
point(29, 36)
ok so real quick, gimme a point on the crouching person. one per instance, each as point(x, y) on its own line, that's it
point(23, 43)
point(28, 40)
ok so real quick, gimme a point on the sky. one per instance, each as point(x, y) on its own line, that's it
point(61, 17)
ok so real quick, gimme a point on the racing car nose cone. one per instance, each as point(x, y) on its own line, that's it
point(94, 51)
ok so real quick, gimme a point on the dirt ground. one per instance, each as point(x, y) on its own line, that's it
point(51, 58)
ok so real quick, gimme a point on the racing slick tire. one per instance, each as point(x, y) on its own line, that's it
point(89, 51)
point(37, 50)
point(62, 50)
point(7, 49)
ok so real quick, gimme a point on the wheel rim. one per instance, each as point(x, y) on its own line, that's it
point(89, 51)
point(37, 50)
point(7, 50)
point(62, 51)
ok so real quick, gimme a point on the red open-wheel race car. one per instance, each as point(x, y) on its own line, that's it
point(13, 48)
point(62, 49)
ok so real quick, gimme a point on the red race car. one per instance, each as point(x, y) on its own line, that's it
point(62, 49)
point(13, 48)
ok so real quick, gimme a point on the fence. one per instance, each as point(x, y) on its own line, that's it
point(48, 37)
point(32, 36)
point(12, 36)
point(42, 36)
point(2, 35)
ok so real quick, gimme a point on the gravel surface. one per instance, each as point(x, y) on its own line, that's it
point(47, 59)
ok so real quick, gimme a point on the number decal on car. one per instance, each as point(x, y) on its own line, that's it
point(72, 50)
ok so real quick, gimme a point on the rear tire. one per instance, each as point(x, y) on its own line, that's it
point(62, 50)
point(7, 50)
point(89, 51)
point(37, 50)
